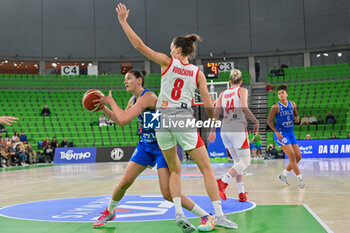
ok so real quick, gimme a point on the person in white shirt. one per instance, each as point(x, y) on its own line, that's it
point(312, 120)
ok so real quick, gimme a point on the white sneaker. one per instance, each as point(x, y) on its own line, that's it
point(184, 224)
point(223, 221)
point(301, 184)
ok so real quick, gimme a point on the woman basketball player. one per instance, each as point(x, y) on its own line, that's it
point(285, 111)
point(178, 83)
point(147, 152)
point(234, 102)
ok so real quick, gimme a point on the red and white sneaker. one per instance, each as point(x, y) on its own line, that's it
point(105, 217)
point(242, 197)
point(222, 187)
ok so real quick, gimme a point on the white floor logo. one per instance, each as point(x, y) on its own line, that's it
point(117, 154)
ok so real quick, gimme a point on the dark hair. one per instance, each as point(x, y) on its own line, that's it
point(282, 87)
point(186, 43)
point(139, 74)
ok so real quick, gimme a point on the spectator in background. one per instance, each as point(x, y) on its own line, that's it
point(280, 72)
point(308, 137)
point(273, 72)
point(348, 137)
point(46, 111)
point(304, 120)
point(46, 142)
point(1, 135)
point(48, 152)
point(258, 145)
point(102, 121)
point(330, 118)
point(23, 138)
point(2, 142)
point(7, 138)
point(312, 120)
point(271, 152)
point(15, 157)
point(31, 154)
point(64, 142)
point(15, 136)
point(54, 144)
point(333, 136)
point(257, 70)
point(284, 65)
point(3, 157)
point(269, 87)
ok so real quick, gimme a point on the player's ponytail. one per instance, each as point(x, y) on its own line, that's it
point(139, 74)
point(187, 44)
point(235, 76)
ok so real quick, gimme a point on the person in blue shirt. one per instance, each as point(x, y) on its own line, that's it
point(147, 152)
point(286, 114)
point(23, 138)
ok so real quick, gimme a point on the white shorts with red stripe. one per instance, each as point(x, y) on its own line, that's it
point(237, 137)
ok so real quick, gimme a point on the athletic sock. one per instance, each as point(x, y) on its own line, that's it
point(240, 187)
point(285, 172)
point(299, 177)
point(111, 205)
point(199, 211)
point(218, 208)
point(177, 205)
point(227, 177)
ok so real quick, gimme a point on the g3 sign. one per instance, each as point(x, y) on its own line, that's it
point(70, 70)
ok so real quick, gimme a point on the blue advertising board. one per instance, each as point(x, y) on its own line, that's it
point(217, 149)
point(325, 148)
point(75, 155)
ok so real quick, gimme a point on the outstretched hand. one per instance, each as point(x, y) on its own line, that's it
point(122, 12)
point(8, 120)
point(105, 100)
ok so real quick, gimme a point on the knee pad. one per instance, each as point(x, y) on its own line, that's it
point(244, 161)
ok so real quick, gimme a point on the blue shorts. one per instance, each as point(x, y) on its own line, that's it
point(288, 139)
point(148, 154)
point(258, 147)
point(252, 146)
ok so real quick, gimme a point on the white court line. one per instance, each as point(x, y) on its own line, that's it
point(319, 220)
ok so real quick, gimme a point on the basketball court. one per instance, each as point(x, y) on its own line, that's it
point(68, 198)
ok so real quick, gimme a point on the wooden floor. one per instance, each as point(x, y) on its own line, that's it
point(327, 181)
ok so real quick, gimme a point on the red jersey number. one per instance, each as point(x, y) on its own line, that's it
point(230, 106)
point(176, 91)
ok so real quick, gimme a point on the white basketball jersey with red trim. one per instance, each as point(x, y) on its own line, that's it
point(231, 103)
point(178, 85)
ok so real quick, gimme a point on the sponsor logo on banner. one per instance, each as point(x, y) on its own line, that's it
point(333, 148)
point(75, 155)
point(306, 150)
point(130, 208)
point(114, 154)
point(117, 154)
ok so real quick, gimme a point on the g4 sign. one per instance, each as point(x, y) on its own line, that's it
point(70, 70)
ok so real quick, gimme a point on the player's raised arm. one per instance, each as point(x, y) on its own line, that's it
point(136, 41)
point(243, 93)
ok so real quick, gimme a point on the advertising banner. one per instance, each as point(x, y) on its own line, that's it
point(325, 148)
point(217, 149)
point(114, 154)
point(75, 155)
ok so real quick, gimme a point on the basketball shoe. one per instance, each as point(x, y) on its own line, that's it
point(207, 223)
point(223, 221)
point(283, 179)
point(222, 187)
point(184, 224)
point(105, 217)
point(301, 183)
point(242, 197)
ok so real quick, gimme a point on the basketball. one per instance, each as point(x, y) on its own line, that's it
point(88, 100)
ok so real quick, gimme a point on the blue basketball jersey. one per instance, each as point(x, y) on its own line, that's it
point(285, 117)
point(148, 135)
